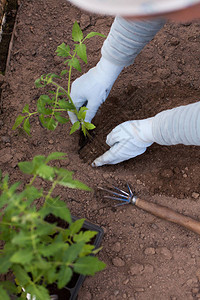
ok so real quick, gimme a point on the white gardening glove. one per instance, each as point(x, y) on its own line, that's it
point(127, 140)
point(94, 87)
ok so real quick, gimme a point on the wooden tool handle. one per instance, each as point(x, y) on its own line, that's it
point(169, 215)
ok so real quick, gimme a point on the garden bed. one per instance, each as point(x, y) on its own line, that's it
point(146, 257)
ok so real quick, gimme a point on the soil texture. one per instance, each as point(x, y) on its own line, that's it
point(146, 257)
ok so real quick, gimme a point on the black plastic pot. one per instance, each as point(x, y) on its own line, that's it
point(70, 292)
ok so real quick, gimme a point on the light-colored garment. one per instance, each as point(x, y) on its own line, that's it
point(133, 7)
point(125, 41)
point(127, 38)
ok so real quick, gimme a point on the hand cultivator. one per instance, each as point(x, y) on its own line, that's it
point(155, 209)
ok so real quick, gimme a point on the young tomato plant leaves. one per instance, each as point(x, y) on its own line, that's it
point(63, 104)
point(38, 83)
point(84, 129)
point(77, 34)
point(27, 126)
point(40, 292)
point(44, 105)
point(55, 155)
point(35, 248)
point(25, 109)
point(76, 226)
point(26, 167)
point(60, 119)
point(18, 121)
point(82, 113)
point(88, 265)
point(64, 276)
point(4, 294)
point(64, 72)
point(75, 127)
point(74, 62)
point(81, 51)
point(63, 50)
point(89, 126)
point(92, 34)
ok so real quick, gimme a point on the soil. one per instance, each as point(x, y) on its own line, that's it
point(146, 257)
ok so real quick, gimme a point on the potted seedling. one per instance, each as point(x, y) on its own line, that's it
point(42, 246)
point(52, 107)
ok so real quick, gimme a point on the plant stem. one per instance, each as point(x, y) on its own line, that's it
point(32, 180)
point(51, 190)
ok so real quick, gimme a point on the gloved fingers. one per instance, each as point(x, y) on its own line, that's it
point(119, 134)
point(72, 116)
point(119, 152)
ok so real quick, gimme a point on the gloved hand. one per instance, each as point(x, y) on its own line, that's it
point(94, 87)
point(127, 140)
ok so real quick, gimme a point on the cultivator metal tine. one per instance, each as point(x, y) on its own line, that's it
point(130, 191)
point(122, 196)
point(123, 192)
point(114, 193)
point(115, 198)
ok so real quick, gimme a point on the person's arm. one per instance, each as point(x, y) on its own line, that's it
point(180, 125)
point(124, 42)
point(127, 38)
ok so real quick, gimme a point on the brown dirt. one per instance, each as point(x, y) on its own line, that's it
point(146, 257)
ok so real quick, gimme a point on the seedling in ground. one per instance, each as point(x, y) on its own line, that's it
point(52, 108)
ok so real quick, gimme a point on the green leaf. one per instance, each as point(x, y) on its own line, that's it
point(74, 184)
point(39, 291)
point(82, 113)
point(81, 52)
point(89, 126)
point(4, 264)
point(84, 236)
point(63, 50)
point(27, 126)
point(75, 127)
point(63, 104)
point(72, 252)
point(55, 155)
point(22, 238)
point(3, 294)
point(59, 209)
point(51, 276)
point(64, 72)
point(88, 265)
point(46, 172)
point(84, 129)
point(48, 123)
point(87, 249)
point(32, 193)
point(74, 62)
point(38, 83)
point(61, 119)
point(22, 256)
point(26, 109)
point(41, 105)
point(77, 34)
point(51, 249)
point(38, 160)
point(44, 229)
point(26, 167)
point(18, 121)
point(51, 124)
point(76, 226)
point(21, 275)
point(92, 34)
point(9, 286)
point(64, 276)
